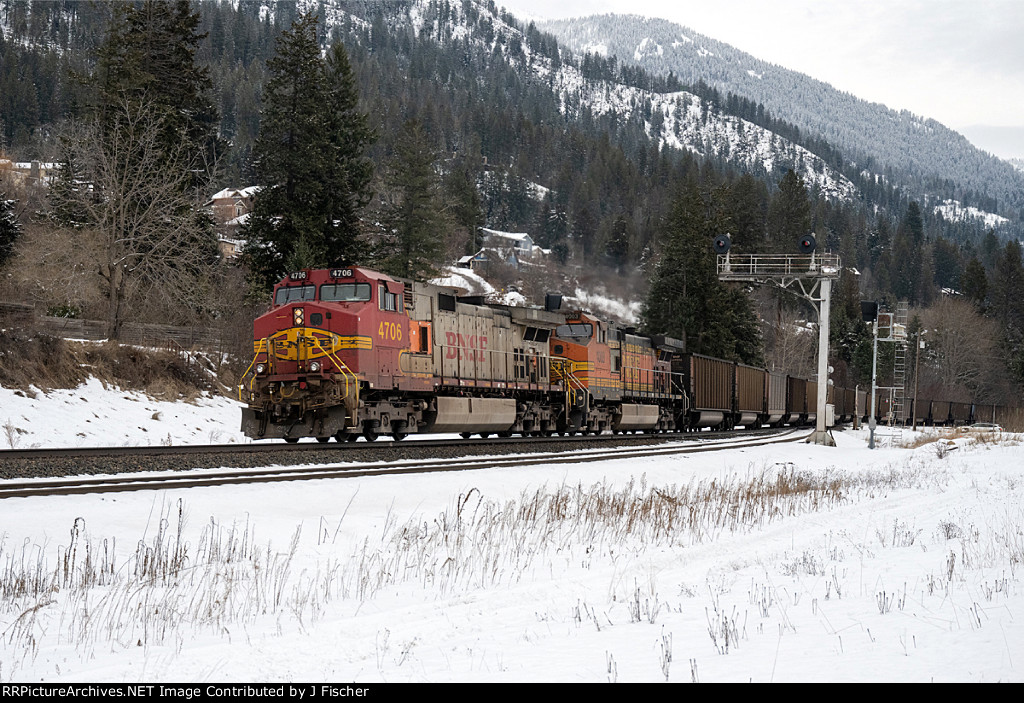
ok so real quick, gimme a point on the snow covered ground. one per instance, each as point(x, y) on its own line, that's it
point(786, 563)
point(96, 416)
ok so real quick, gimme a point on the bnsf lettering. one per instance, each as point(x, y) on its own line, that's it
point(465, 347)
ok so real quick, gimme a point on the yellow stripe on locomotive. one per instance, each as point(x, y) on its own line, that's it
point(315, 343)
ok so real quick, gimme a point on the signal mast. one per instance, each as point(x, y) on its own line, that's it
point(807, 275)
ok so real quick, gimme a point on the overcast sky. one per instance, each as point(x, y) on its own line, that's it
point(958, 61)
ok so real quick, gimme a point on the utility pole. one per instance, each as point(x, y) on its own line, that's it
point(917, 360)
point(874, 384)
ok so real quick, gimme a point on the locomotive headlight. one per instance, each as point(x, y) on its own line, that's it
point(314, 366)
point(260, 368)
point(298, 317)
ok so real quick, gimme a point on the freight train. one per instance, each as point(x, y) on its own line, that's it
point(350, 352)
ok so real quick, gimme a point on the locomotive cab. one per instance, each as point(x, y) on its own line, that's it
point(327, 334)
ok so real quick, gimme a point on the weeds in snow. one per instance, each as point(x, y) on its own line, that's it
point(613, 668)
point(902, 536)
point(12, 434)
point(665, 658)
point(168, 588)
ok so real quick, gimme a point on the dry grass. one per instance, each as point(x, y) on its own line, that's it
point(50, 362)
point(927, 437)
point(951, 436)
point(168, 589)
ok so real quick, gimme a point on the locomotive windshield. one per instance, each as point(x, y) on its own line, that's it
point(576, 330)
point(345, 292)
point(294, 293)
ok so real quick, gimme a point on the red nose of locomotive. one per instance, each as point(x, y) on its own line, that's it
point(313, 327)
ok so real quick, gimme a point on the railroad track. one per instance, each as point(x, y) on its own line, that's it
point(118, 483)
point(54, 463)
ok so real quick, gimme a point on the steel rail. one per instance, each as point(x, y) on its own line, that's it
point(120, 483)
point(272, 446)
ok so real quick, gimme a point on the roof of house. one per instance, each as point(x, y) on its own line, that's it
point(246, 192)
point(515, 236)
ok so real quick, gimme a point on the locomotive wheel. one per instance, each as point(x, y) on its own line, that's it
point(352, 438)
point(465, 435)
point(291, 440)
point(399, 436)
point(370, 434)
point(485, 435)
point(506, 434)
point(323, 440)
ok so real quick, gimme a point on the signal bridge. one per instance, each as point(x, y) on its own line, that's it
point(807, 275)
point(779, 269)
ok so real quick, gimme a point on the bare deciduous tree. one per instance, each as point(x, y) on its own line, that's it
point(961, 348)
point(143, 227)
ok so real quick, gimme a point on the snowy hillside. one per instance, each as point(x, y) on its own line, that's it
point(914, 149)
point(680, 120)
point(954, 211)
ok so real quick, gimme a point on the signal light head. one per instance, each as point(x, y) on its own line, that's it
point(807, 243)
point(721, 244)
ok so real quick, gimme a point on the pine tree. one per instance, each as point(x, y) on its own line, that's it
point(414, 213)
point(133, 170)
point(10, 230)
point(149, 56)
point(748, 204)
point(974, 283)
point(308, 159)
point(466, 205)
point(686, 299)
point(913, 224)
point(948, 263)
point(789, 215)
point(1007, 291)
point(348, 171)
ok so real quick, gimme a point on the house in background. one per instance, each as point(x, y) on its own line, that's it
point(231, 208)
point(475, 261)
point(29, 172)
point(231, 204)
point(513, 248)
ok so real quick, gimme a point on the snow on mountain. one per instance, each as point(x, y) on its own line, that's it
point(647, 46)
point(955, 211)
point(680, 120)
point(912, 149)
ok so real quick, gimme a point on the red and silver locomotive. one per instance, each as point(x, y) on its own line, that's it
point(349, 351)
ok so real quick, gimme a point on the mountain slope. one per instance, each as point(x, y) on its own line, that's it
point(924, 155)
point(676, 119)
